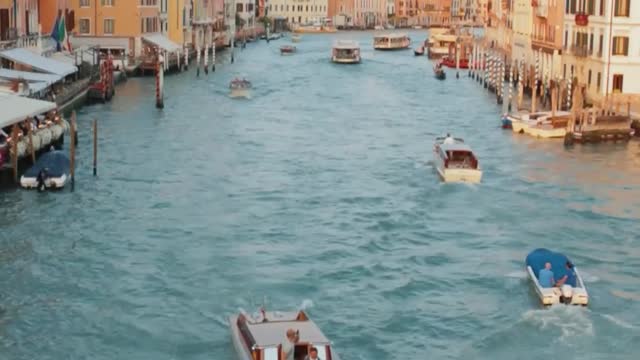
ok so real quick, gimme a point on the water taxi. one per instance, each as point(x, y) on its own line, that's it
point(569, 290)
point(262, 336)
point(440, 40)
point(287, 49)
point(346, 52)
point(391, 42)
point(51, 171)
point(240, 88)
point(315, 28)
point(455, 161)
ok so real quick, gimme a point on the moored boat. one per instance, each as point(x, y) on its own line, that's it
point(418, 51)
point(346, 52)
point(391, 42)
point(51, 171)
point(263, 335)
point(549, 125)
point(568, 290)
point(287, 49)
point(455, 161)
point(439, 43)
point(315, 29)
point(240, 88)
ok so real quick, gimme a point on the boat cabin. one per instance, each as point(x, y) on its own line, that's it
point(457, 156)
point(263, 337)
point(346, 50)
point(391, 41)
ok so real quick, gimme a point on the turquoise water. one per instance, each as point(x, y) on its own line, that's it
point(318, 193)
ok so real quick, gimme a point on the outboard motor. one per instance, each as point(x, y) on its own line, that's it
point(567, 294)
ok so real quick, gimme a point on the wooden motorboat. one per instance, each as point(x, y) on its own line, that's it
point(346, 52)
point(539, 124)
point(262, 335)
point(391, 42)
point(287, 49)
point(418, 51)
point(240, 88)
point(455, 161)
point(571, 292)
point(51, 171)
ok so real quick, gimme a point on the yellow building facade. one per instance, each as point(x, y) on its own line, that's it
point(176, 15)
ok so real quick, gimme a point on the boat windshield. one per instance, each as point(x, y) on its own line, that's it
point(270, 354)
point(347, 53)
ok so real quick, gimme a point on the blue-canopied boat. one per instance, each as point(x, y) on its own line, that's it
point(506, 121)
point(571, 292)
point(51, 171)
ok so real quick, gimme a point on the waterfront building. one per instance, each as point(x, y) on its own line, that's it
point(18, 18)
point(341, 12)
point(523, 16)
point(391, 8)
point(498, 27)
point(302, 12)
point(369, 13)
point(546, 36)
point(601, 46)
point(431, 13)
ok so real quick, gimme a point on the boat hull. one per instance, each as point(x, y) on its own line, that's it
point(545, 133)
point(471, 176)
point(51, 182)
point(389, 48)
point(240, 93)
point(236, 339)
point(345, 61)
point(536, 260)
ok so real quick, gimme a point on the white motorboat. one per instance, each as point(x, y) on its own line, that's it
point(345, 52)
point(261, 336)
point(296, 38)
point(391, 42)
point(51, 171)
point(455, 161)
point(571, 292)
point(240, 88)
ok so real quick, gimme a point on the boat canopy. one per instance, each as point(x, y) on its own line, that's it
point(162, 42)
point(538, 257)
point(391, 36)
point(18, 108)
point(29, 76)
point(346, 44)
point(40, 63)
point(56, 163)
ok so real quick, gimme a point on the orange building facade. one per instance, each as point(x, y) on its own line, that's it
point(18, 18)
point(423, 12)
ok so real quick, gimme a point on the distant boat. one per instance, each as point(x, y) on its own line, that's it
point(345, 52)
point(439, 72)
point(260, 336)
point(287, 49)
point(391, 42)
point(455, 161)
point(296, 38)
point(378, 27)
point(240, 88)
point(569, 293)
point(51, 171)
point(419, 51)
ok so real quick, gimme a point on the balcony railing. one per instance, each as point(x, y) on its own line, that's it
point(581, 51)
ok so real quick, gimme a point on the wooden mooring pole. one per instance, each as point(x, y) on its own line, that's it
point(72, 150)
point(95, 147)
point(31, 148)
point(160, 82)
point(14, 152)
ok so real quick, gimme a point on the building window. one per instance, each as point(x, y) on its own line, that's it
point(238, 7)
point(108, 2)
point(591, 7)
point(85, 3)
point(620, 45)
point(598, 81)
point(600, 47)
point(85, 26)
point(564, 71)
point(149, 24)
point(148, 2)
point(617, 83)
point(591, 43)
point(566, 6)
point(589, 79)
point(572, 9)
point(250, 7)
point(109, 26)
point(566, 39)
point(621, 8)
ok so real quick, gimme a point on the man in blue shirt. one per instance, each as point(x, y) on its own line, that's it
point(570, 278)
point(545, 277)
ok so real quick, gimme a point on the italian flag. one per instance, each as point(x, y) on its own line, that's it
point(59, 34)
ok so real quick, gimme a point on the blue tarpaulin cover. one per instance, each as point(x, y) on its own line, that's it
point(56, 162)
point(538, 257)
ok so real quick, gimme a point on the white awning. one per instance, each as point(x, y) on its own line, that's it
point(18, 108)
point(29, 76)
point(162, 42)
point(38, 62)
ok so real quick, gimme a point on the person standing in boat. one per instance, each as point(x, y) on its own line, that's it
point(313, 354)
point(449, 139)
point(289, 345)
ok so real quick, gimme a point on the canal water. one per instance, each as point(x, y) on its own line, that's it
point(318, 193)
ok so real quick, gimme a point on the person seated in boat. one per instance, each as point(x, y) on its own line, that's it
point(449, 140)
point(289, 345)
point(313, 354)
point(569, 278)
point(545, 277)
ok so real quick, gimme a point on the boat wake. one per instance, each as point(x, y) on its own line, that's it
point(517, 275)
point(566, 321)
point(306, 304)
point(626, 295)
point(618, 322)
